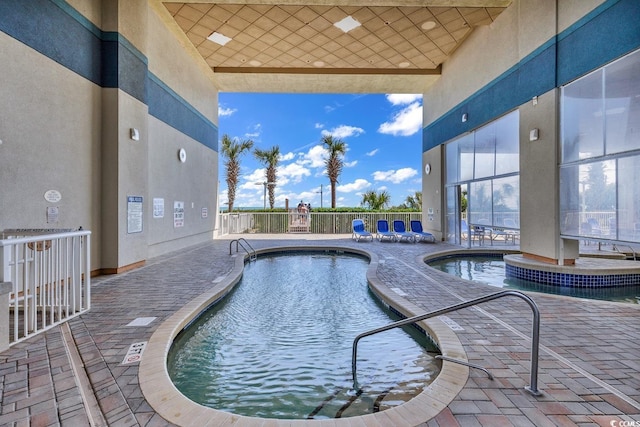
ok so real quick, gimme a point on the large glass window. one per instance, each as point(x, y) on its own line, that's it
point(599, 195)
point(486, 162)
point(582, 119)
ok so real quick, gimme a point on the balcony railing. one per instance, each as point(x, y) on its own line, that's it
point(50, 281)
point(313, 222)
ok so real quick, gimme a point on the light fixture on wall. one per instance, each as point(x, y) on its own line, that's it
point(427, 168)
point(464, 117)
point(534, 134)
point(134, 134)
point(182, 155)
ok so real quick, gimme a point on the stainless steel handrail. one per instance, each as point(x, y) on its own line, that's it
point(535, 339)
point(253, 255)
point(615, 248)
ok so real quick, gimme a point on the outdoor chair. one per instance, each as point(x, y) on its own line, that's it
point(359, 231)
point(419, 233)
point(383, 231)
point(401, 231)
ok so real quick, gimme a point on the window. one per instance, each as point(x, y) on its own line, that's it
point(488, 160)
point(600, 117)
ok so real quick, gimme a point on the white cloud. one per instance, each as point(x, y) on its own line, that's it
point(372, 152)
point(256, 132)
point(406, 122)
point(403, 98)
point(294, 172)
point(225, 111)
point(344, 131)
point(350, 164)
point(286, 157)
point(252, 180)
point(395, 176)
point(319, 126)
point(357, 185)
point(314, 158)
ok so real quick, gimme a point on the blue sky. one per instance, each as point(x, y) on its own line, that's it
point(383, 134)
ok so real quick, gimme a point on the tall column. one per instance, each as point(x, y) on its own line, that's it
point(124, 134)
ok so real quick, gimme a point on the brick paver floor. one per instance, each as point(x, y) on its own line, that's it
point(589, 365)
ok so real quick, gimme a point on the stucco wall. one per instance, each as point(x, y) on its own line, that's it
point(48, 125)
point(505, 65)
point(68, 102)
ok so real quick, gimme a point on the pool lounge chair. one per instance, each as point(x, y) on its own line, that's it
point(383, 231)
point(419, 233)
point(359, 231)
point(401, 231)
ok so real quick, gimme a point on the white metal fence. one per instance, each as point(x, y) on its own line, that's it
point(313, 222)
point(50, 276)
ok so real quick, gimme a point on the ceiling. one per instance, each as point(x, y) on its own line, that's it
point(295, 46)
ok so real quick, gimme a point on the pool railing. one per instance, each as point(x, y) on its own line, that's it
point(535, 339)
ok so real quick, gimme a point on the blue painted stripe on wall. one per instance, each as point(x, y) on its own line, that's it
point(614, 25)
point(45, 27)
point(172, 109)
point(609, 32)
point(58, 31)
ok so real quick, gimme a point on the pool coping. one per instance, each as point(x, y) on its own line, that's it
point(163, 396)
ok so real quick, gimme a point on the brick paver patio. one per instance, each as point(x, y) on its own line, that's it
point(589, 372)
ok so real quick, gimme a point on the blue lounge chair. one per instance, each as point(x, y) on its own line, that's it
point(416, 229)
point(401, 231)
point(359, 231)
point(383, 231)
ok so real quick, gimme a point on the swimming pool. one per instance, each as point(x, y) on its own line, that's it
point(279, 345)
point(490, 269)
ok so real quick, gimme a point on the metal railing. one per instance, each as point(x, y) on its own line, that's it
point(318, 222)
point(50, 275)
point(253, 255)
point(535, 339)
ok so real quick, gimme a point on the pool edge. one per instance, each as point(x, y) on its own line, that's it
point(173, 406)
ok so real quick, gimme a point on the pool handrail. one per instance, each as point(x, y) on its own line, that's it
point(535, 339)
point(253, 255)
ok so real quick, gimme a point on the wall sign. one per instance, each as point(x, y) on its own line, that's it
point(158, 208)
point(134, 214)
point(178, 214)
point(52, 196)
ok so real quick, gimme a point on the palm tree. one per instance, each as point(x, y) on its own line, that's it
point(336, 149)
point(415, 201)
point(270, 159)
point(232, 150)
point(376, 201)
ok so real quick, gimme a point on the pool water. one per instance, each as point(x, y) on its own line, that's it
point(279, 345)
point(490, 270)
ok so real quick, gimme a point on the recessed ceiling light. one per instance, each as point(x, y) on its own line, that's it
point(347, 24)
point(403, 64)
point(255, 63)
point(319, 63)
point(221, 39)
point(429, 25)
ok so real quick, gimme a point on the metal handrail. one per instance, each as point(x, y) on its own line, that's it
point(535, 340)
point(615, 248)
point(253, 255)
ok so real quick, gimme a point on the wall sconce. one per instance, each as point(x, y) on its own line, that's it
point(464, 117)
point(533, 135)
point(134, 134)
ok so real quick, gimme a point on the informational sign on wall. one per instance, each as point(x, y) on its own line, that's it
point(178, 214)
point(52, 214)
point(134, 214)
point(205, 212)
point(158, 208)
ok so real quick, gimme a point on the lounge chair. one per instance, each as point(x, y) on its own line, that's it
point(383, 231)
point(359, 231)
point(401, 231)
point(419, 233)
